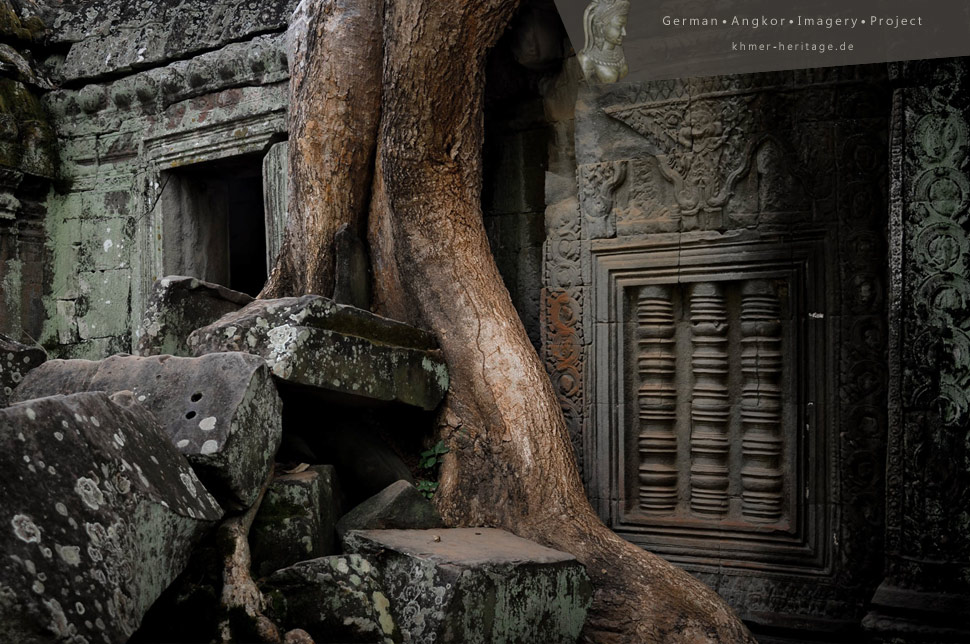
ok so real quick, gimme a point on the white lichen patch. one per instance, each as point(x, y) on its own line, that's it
point(381, 605)
point(188, 483)
point(182, 444)
point(209, 447)
point(208, 424)
point(61, 509)
point(119, 438)
point(59, 436)
point(89, 492)
point(25, 529)
point(71, 555)
point(31, 414)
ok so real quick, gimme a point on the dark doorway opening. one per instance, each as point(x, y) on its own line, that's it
point(215, 222)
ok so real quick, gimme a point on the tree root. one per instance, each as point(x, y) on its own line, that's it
point(242, 600)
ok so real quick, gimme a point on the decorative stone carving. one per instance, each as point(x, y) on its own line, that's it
point(604, 26)
point(926, 590)
point(710, 408)
point(755, 200)
point(563, 356)
point(657, 400)
point(598, 185)
point(761, 394)
point(705, 146)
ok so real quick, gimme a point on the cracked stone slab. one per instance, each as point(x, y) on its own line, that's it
point(311, 341)
point(295, 521)
point(178, 306)
point(221, 411)
point(16, 360)
point(100, 513)
point(334, 599)
point(477, 585)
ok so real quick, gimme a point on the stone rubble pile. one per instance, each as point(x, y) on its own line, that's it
point(116, 474)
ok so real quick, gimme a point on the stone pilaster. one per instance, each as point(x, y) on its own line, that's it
point(926, 589)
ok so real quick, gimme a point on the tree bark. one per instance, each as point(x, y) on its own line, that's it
point(335, 100)
point(510, 463)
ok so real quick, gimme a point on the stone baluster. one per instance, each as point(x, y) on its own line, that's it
point(710, 407)
point(761, 437)
point(657, 397)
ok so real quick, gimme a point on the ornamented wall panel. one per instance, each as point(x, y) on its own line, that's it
point(711, 398)
point(731, 244)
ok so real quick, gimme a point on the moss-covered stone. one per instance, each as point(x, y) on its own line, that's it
point(99, 515)
point(312, 341)
point(177, 307)
point(295, 520)
point(477, 585)
point(334, 599)
point(16, 360)
point(222, 411)
point(27, 141)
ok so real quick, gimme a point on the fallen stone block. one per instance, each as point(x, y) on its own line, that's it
point(178, 306)
point(476, 585)
point(16, 360)
point(295, 521)
point(334, 599)
point(311, 341)
point(398, 506)
point(99, 515)
point(222, 411)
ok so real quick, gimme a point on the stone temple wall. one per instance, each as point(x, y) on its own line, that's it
point(716, 280)
point(146, 89)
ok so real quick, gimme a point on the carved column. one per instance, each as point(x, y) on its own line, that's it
point(710, 407)
point(657, 397)
point(761, 437)
point(926, 590)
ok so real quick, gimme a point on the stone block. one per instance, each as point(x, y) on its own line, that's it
point(221, 411)
point(476, 585)
point(16, 360)
point(105, 242)
point(178, 306)
point(398, 506)
point(105, 294)
point(295, 520)
point(334, 599)
point(99, 515)
point(311, 341)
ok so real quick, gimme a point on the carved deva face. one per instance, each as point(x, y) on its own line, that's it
point(615, 29)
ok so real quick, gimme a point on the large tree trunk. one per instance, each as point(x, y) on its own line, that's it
point(510, 462)
point(335, 94)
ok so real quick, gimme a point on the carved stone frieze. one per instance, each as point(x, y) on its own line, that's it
point(702, 146)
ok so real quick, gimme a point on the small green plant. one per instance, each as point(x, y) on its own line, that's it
point(430, 462)
point(427, 488)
